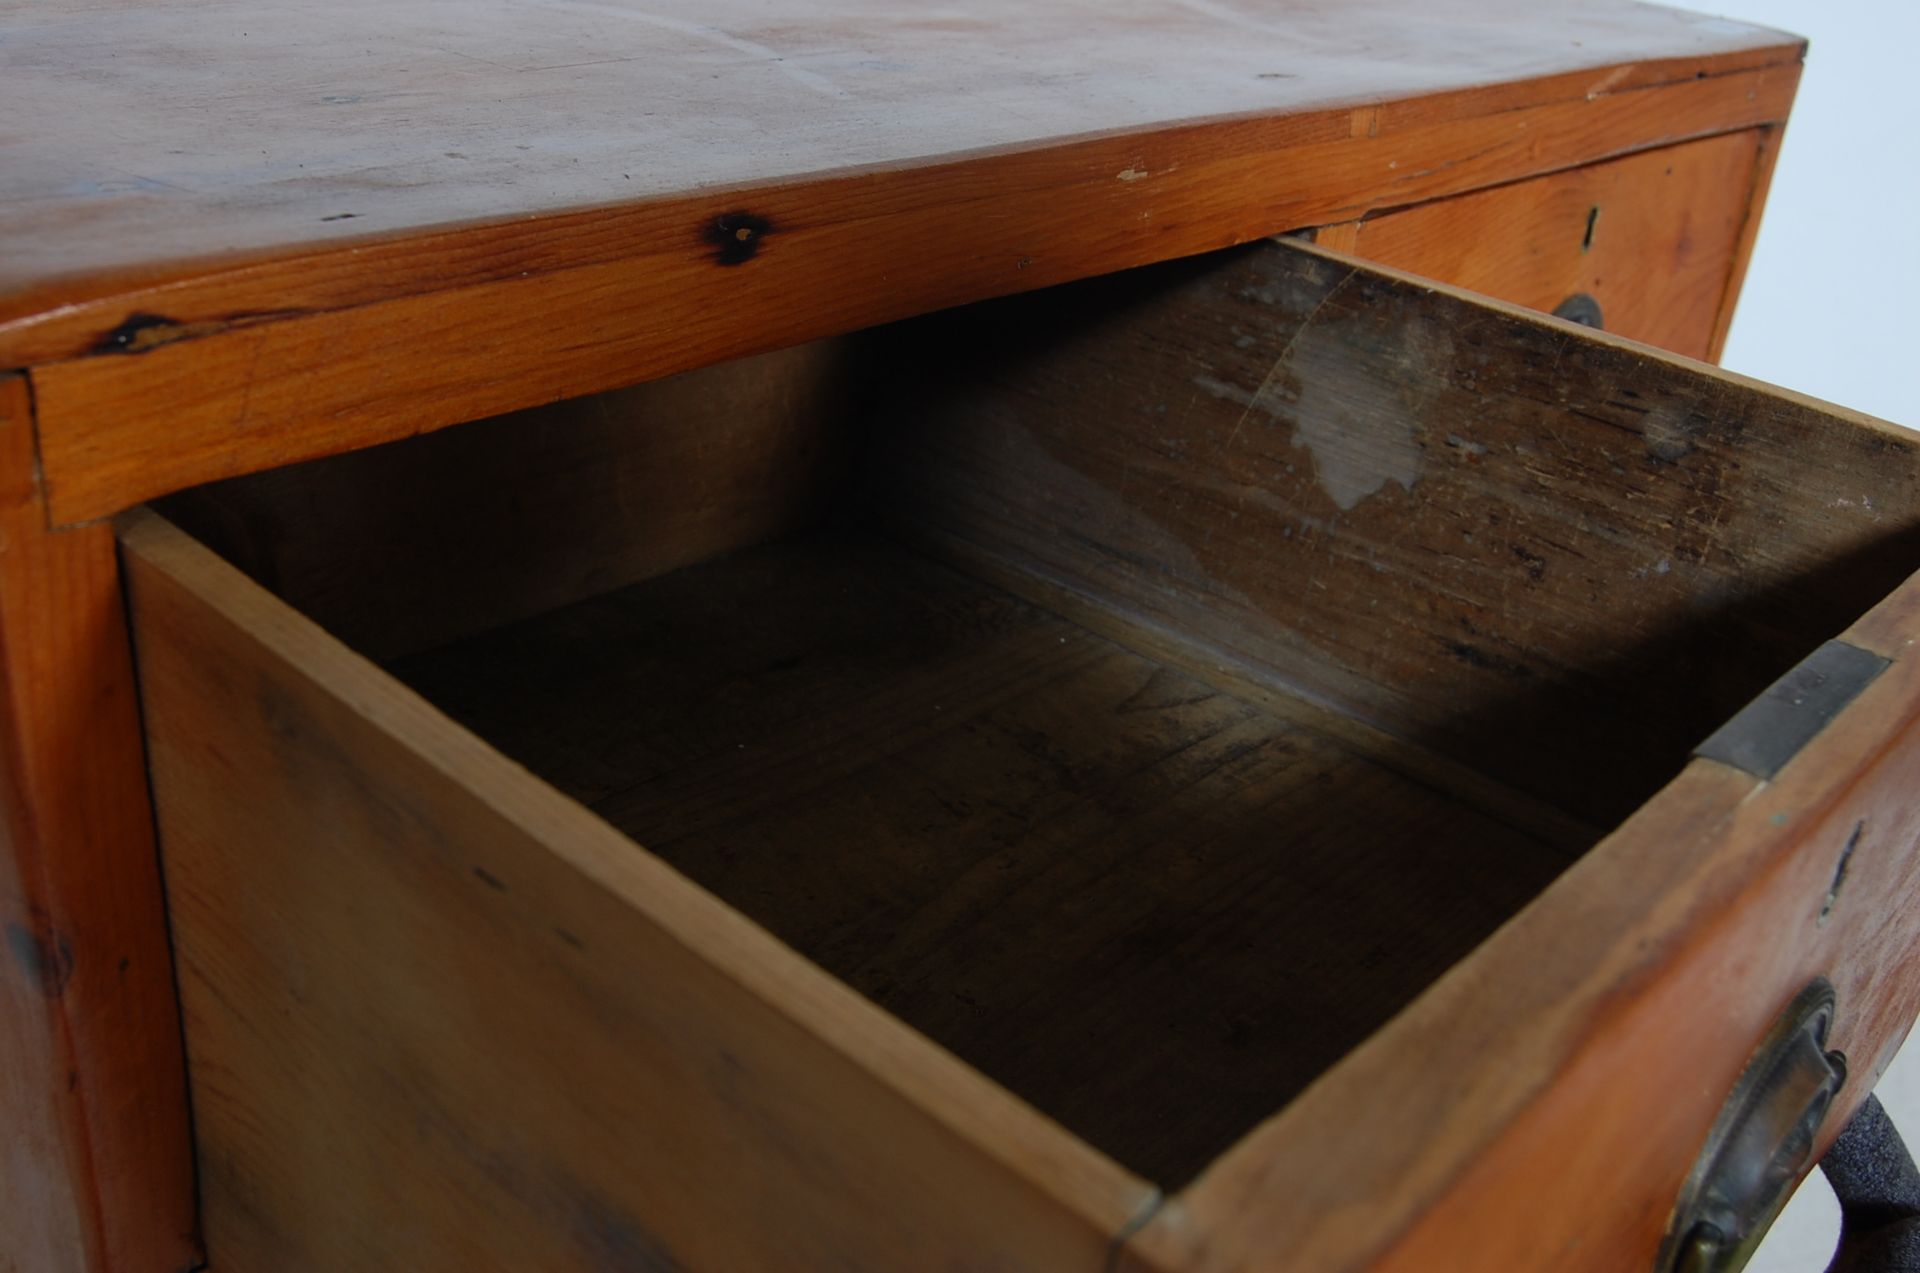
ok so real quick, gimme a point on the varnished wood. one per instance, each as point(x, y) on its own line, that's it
point(1516, 543)
point(45, 1195)
point(1087, 873)
point(1651, 238)
point(438, 1014)
point(365, 119)
point(93, 1127)
point(170, 374)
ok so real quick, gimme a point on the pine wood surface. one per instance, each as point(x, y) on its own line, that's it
point(415, 544)
point(241, 335)
point(94, 1157)
point(186, 310)
point(259, 130)
point(1653, 239)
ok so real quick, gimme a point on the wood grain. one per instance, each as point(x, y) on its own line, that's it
point(1515, 543)
point(275, 129)
point(1088, 874)
point(1601, 1030)
point(95, 1172)
point(249, 368)
point(1652, 239)
point(438, 1014)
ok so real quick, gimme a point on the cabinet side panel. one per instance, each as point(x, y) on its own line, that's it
point(95, 1170)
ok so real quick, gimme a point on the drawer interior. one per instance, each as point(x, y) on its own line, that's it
point(1145, 688)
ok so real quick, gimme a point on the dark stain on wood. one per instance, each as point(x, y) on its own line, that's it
point(736, 236)
point(615, 1241)
point(139, 333)
point(142, 332)
point(1535, 564)
point(46, 957)
point(1474, 656)
point(488, 878)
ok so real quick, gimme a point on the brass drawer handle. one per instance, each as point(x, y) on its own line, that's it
point(1760, 1143)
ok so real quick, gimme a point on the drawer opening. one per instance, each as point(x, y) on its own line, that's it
point(1144, 688)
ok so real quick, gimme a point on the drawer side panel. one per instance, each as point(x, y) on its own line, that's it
point(438, 1016)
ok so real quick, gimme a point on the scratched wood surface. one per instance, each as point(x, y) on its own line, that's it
point(440, 1016)
point(242, 127)
point(1516, 543)
point(318, 281)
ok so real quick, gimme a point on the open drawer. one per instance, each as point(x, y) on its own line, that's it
point(1189, 770)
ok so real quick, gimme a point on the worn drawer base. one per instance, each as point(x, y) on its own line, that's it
point(1094, 877)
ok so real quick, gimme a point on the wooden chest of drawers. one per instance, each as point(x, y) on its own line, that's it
point(1189, 767)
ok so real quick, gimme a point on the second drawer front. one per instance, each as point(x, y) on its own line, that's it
point(1651, 239)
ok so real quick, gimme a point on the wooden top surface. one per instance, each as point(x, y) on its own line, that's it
point(142, 136)
point(236, 235)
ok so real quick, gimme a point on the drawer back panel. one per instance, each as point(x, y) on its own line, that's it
point(1496, 537)
point(1543, 552)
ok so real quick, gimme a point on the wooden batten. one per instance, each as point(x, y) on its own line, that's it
point(93, 1115)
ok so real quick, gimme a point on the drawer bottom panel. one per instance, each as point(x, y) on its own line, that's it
point(1099, 880)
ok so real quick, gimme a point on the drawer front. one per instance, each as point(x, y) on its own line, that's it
point(1650, 246)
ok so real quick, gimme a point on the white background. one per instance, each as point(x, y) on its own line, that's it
point(1832, 308)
